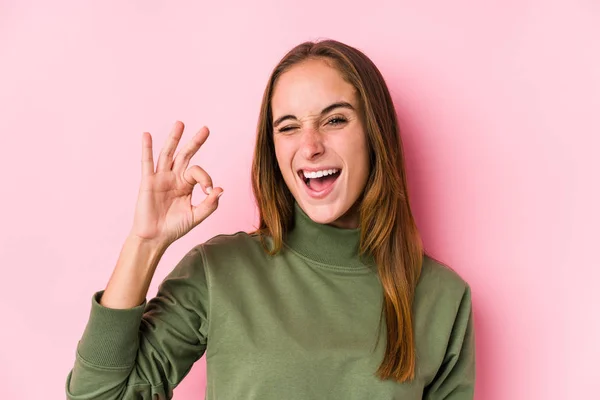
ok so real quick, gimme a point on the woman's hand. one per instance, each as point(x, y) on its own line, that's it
point(164, 211)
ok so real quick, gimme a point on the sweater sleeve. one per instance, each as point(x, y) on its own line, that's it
point(145, 351)
point(455, 379)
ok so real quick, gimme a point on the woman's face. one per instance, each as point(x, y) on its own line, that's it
point(320, 143)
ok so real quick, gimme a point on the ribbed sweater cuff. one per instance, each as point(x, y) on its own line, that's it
point(111, 336)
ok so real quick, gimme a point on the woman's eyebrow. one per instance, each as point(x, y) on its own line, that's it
point(329, 108)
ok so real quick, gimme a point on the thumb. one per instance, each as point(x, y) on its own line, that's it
point(207, 206)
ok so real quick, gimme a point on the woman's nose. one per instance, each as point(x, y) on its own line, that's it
point(312, 143)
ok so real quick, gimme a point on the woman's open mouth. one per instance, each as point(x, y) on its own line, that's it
point(319, 183)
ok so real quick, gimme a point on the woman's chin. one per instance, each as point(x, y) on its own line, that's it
point(330, 213)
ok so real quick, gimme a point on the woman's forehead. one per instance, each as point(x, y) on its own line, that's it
point(308, 88)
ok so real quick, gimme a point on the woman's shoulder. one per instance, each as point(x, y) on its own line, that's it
point(247, 245)
point(228, 239)
point(437, 276)
point(234, 241)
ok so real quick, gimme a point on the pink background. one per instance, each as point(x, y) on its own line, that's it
point(498, 101)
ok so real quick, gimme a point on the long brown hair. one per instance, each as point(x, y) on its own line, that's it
point(388, 230)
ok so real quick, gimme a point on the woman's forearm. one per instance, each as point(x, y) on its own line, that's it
point(130, 280)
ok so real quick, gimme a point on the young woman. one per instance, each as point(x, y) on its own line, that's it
point(331, 298)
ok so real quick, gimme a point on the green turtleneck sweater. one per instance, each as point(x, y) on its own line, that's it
point(302, 324)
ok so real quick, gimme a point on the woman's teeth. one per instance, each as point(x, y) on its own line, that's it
point(319, 174)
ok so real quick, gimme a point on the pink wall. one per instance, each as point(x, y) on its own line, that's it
point(499, 105)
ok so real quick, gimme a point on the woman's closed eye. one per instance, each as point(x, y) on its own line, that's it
point(286, 128)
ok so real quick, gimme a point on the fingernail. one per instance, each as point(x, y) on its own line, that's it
point(208, 189)
point(220, 194)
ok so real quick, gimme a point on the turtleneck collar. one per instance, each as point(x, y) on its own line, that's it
point(326, 244)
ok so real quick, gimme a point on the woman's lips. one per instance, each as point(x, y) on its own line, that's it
point(324, 191)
